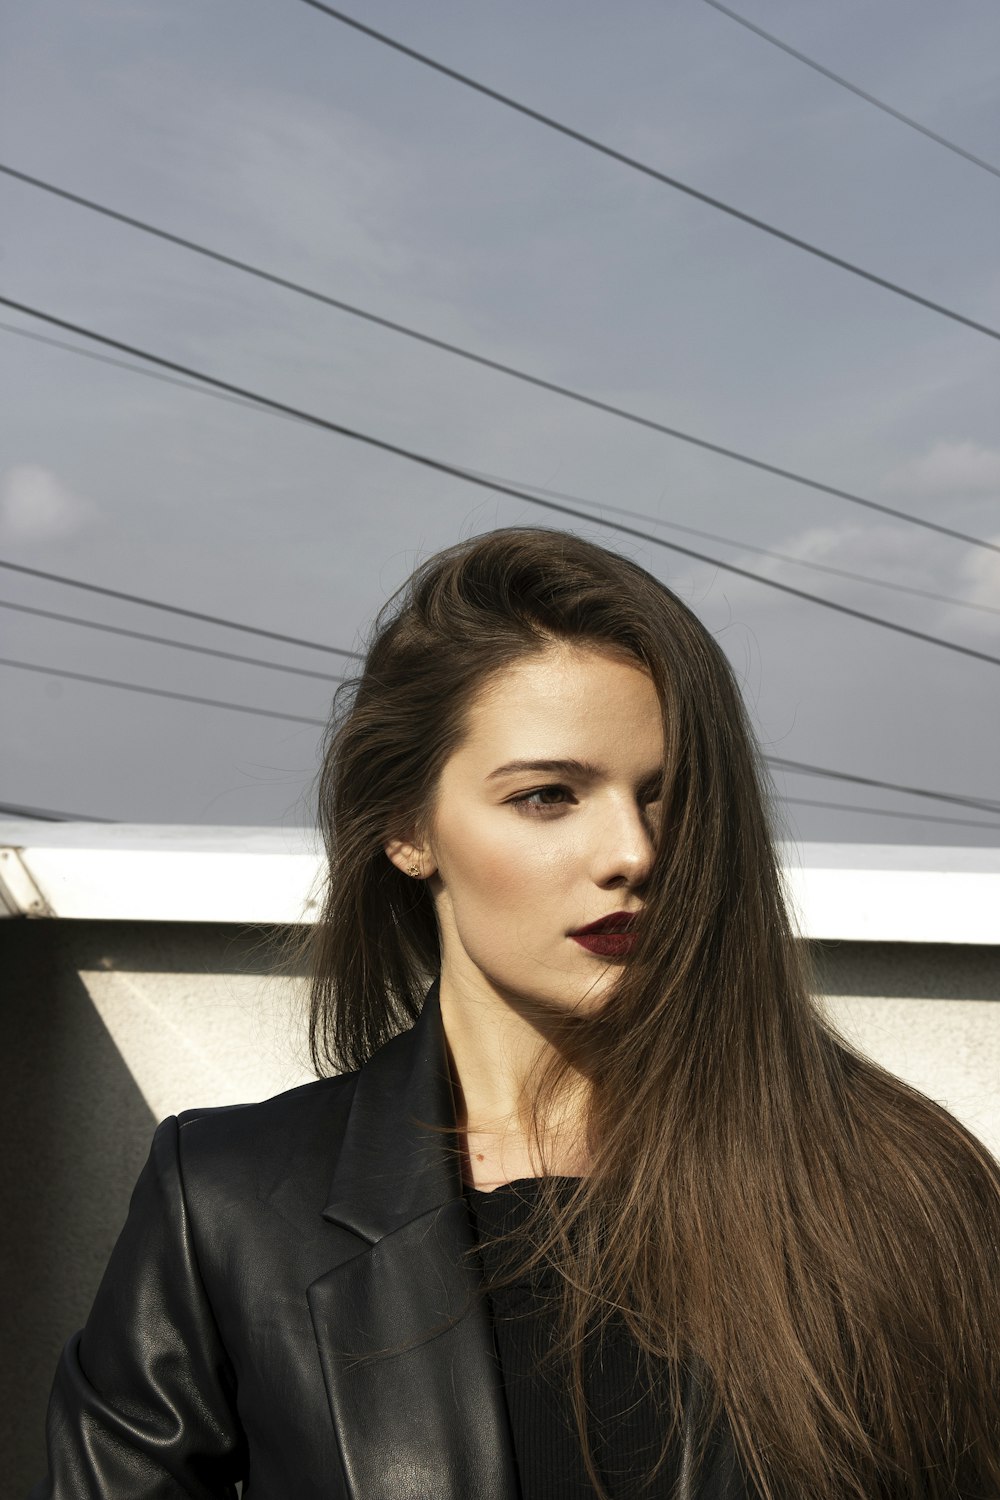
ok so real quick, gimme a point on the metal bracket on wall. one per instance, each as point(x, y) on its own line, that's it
point(19, 895)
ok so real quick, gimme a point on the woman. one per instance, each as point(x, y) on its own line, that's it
point(595, 1202)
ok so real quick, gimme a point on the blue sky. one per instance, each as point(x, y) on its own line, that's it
point(267, 131)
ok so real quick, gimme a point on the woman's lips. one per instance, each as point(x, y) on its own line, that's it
point(607, 944)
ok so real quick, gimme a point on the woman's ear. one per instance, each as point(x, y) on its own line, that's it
point(413, 859)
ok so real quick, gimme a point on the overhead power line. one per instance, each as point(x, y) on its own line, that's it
point(984, 804)
point(514, 372)
point(774, 761)
point(620, 510)
point(470, 477)
point(141, 687)
point(884, 812)
point(845, 83)
point(46, 815)
point(784, 764)
point(162, 640)
point(648, 171)
point(133, 369)
point(174, 609)
point(728, 541)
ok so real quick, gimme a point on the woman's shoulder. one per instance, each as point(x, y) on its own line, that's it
point(287, 1143)
point(292, 1108)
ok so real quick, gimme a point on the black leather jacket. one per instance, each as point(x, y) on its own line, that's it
point(266, 1248)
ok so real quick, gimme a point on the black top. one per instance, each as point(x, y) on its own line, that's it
point(626, 1428)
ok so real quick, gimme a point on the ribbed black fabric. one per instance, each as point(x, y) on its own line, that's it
point(625, 1425)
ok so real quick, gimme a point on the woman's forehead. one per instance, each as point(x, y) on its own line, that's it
point(564, 704)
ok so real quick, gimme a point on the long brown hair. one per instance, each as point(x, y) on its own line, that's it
point(819, 1236)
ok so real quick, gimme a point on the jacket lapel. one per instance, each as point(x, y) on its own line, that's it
point(403, 1331)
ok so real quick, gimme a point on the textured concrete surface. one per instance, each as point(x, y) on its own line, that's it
point(930, 1014)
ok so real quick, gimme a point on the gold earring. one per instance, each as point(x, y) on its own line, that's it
point(413, 870)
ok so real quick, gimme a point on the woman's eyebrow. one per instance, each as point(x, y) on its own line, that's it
point(581, 768)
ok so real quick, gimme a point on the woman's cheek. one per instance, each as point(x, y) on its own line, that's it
point(502, 898)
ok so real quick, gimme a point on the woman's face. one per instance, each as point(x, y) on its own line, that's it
point(544, 823)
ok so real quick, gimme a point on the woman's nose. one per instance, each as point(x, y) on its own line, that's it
point(625, 846)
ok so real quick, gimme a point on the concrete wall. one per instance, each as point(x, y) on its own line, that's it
point(106, 1027)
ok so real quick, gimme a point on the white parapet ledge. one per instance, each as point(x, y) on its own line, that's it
point(893, 893)
point(162, 872)
point(888, 893)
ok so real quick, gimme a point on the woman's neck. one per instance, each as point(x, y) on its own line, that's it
point(495, 1054)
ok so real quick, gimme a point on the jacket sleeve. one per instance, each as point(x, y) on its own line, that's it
point(143, 1406)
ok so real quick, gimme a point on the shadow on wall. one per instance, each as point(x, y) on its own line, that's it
point(76, 1132)
point(924, 971)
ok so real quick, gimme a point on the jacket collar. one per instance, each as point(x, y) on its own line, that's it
point(402, 1330)
point(398, 1159)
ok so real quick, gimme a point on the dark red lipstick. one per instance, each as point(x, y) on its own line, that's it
point(611, 937)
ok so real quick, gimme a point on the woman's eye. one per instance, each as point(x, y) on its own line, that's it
point(529, 801)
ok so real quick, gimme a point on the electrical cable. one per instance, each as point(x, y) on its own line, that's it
point(46, 815)
point(845, 83)
point(513, 371)
point(137, 687)
point(884, 812)
point(789, 765)
point(728, 541)
point(470, 477)
point(174, 609)
point(711, 536)
point(649, 171)
point(134, 369)
point(981, 804)
point(162, 640)
point(802, 768)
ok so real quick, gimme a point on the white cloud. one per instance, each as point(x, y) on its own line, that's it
point(36, 506)
point(948, 469)
point(879, 550)
point(883, 550)
point(981, 576)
